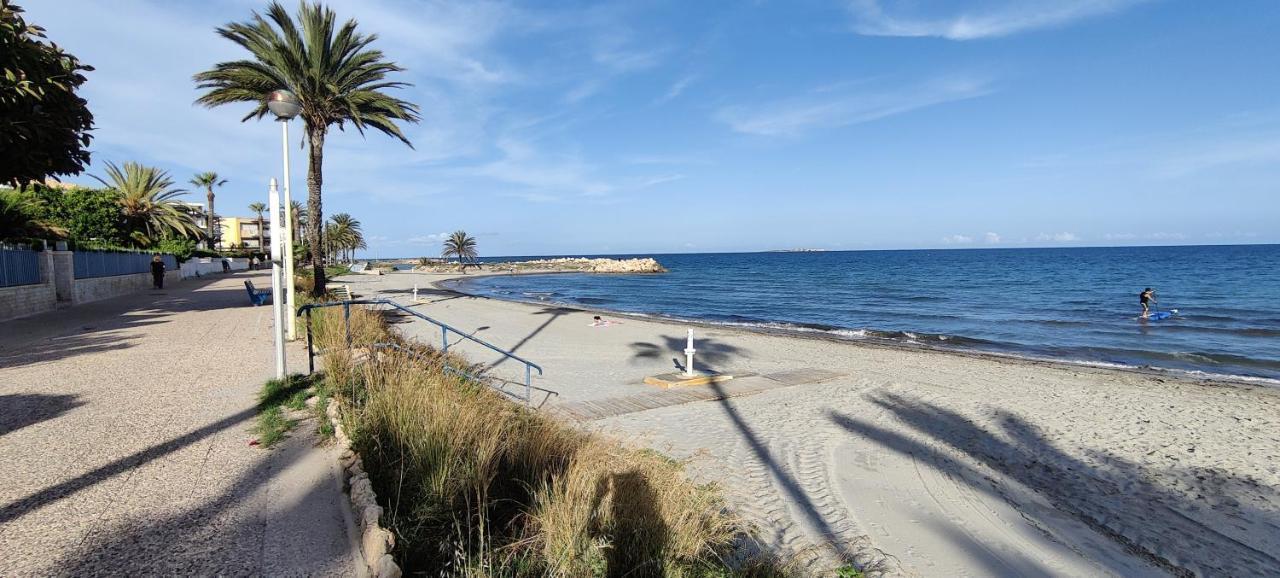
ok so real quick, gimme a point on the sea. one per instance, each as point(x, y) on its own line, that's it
point(1065, 304)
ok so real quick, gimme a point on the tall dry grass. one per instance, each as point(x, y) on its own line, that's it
point(475, 485)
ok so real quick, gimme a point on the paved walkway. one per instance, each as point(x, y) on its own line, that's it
point(124, 430)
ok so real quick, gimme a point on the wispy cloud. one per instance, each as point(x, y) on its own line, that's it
point(677, 88)
point(957, 240)
point(991, 238)
point(989, 19)
point(847, 106)
point(1057, 237)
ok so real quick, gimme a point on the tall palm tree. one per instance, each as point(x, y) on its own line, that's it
point(149, 204)
point(262, 235)
point(347, 236)
point(336, 76)
point(20, 217)
point(208, 180)
point(462, 246)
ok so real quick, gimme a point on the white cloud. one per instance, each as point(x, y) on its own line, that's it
point(1119, 236)
point(676, 89)
point(844, 106)
point(957, 240)
point(431, 239)
point(987, 19)
point(991, 238)
point(1057, 237)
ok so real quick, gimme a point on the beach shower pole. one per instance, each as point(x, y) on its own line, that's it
point(688, 355)
point(277, 304)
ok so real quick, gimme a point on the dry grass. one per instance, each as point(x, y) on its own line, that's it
point(475, 485)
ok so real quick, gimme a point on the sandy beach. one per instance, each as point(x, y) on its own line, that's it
point(913, 462)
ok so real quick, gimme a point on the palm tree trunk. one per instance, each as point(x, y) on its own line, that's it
point(262, 236)
point(209, 224)
point(315, 213)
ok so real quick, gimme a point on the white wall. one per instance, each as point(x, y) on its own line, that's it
point(201, 266)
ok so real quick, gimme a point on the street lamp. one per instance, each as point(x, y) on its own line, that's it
point(285, 105)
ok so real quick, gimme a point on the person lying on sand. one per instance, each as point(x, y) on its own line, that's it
point(598, 322)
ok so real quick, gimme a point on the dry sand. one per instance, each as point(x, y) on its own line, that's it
point(916, 462)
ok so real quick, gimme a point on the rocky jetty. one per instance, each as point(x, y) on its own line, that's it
point(565, 264)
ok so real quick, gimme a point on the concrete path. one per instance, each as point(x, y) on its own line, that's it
point(124, 430)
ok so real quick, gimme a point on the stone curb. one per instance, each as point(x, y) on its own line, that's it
point(376, 542)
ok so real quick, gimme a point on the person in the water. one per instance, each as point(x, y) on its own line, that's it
point(1146, 298)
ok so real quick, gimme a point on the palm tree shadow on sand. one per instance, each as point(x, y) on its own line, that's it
point(1166, 526)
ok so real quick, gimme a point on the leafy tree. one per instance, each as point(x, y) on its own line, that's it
point(22, 217)
point(149, 205)
point(462, 246)
point(86, 214)
point(344, 236)
point(262, 233)
point(208, 180)
point(44, 125)
point(336, 76)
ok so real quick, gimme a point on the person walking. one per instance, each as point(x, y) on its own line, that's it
point(157, 271)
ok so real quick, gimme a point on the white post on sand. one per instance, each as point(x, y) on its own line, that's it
point(415, 292)
point(277, 279)
point(688, 355)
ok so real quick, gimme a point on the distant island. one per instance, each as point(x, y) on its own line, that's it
point(797, 251)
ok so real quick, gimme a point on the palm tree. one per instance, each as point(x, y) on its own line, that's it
point(462, 246)
point(208, 180)
point(20, 217)
point(345, 235)
point(336, 76)
point(262, 235)
point(149, 204)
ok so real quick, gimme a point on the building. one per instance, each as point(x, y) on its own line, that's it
point(241, 232)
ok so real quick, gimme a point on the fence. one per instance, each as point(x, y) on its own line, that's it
point(19, 267)
point(90, 264)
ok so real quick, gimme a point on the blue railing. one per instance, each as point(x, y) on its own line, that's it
point(90, 264)
point(19, 267)
point(445, 329)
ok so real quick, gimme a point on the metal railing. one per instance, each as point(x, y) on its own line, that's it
point(91, 264)
point(19, 267)
point(445, 329)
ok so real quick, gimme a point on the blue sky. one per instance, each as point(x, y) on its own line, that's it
point(649, 127)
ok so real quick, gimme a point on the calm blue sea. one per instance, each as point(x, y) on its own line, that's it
point(1078, 304)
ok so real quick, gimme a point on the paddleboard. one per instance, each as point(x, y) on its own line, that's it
point(1158, 315)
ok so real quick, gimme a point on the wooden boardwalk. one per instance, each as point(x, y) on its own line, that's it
point(588, 410)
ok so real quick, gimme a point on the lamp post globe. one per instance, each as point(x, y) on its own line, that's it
point(283, 104)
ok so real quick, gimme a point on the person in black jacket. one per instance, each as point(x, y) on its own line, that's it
point(157, 271)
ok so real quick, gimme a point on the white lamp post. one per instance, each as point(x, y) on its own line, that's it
point(284, 105)
point(277, 304)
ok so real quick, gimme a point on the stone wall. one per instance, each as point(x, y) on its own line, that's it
point(24, 300)
point(98, 288)
point(201, 266)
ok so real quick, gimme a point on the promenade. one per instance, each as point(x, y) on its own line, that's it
point(124, 437)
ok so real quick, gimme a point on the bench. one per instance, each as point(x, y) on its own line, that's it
point(342, 292)
point(255, 296)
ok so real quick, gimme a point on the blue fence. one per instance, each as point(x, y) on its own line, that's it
point(19, 267)
point(90, 264)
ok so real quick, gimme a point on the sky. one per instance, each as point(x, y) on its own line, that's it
point(675, 126)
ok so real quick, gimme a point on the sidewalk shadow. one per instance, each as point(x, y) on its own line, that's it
point(21, 410)
point(1086, 491)
point(204, 539)
point(102, 326)
point(51, 494)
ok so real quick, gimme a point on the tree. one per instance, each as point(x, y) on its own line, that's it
point(262, 233)
point(462, 246)
point(149, 205)
point(86, 214)
point(345, 236)
point(336, 76)
point(21, 217)
point(208, 180)
point(44, 125)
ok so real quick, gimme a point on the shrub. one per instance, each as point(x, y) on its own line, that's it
point(475, 485)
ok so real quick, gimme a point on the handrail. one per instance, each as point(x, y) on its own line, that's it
point(445, 328)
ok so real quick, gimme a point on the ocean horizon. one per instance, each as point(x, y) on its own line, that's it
point(1072, 304)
